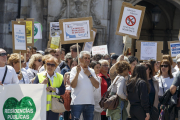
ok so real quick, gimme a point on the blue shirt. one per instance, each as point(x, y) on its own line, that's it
point(65, 69)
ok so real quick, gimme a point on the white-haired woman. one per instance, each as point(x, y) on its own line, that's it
point(35, 64)
point(106, 81)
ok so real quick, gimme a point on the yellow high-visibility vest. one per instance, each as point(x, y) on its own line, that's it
point(57, 81)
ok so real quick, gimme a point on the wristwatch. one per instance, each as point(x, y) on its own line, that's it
point(89, 76)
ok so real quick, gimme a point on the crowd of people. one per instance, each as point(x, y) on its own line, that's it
point(141, 86)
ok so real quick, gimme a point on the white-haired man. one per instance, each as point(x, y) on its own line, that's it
point(83, 80)
point(7, 73)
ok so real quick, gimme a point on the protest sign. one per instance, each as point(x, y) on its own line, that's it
point(21, 102)
point(37, 31)
point(148, 50)
point(88, 45)
point(19, 37)
point(55, 42)
point(102, 49)
point(174, 48)
point(130, 20)
point(29, 30)
point(54, 29)
point(76, 30)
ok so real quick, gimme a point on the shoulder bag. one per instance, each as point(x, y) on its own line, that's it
point(4, 75)
point(57, 105)
point(109, 101)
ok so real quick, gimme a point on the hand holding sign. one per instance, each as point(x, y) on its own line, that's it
point(45, 80)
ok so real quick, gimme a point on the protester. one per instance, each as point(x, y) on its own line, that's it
point(55, 84)
point(27, 58)
point(74, 63)
point(119, 88)
point(107, 57)
point(106, 81)
point(7, 73)
point(83, 80)
point(174, 63)
point(154, 86)
point(68, 60)
point(35, 64)
point(97, 57)
point(133, 62)
point(33, 50)
point(73, 50)
point(155, 66)
point(14, 61)
point(63, 52)
point(177, 58)
point(114, 59)
point(137, 90)
point(177, 67)
point(165, 77)
point(97, 92)
point(168, 57)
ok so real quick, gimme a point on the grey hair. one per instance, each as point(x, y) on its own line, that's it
point(125, 58)
point(103, 61)
point(84, 52)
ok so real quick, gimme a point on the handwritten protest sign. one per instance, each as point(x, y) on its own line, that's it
point(54, 29)
point(175, 49)
point(55, 42)
point(130, 20)
point(76, 30)
point(100, 50)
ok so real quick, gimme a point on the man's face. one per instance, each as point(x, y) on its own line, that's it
point(85, 60)
point(57, 55)
point(33, 51)
point(3, 58)
point(62, 55)
point(73, 54)
point(28, 54)
point(53, 54)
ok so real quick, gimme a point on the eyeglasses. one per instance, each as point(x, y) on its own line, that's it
point(3, 54)
point(105, 65)
point(164, 66)
point(39, 60)
point(52, 65)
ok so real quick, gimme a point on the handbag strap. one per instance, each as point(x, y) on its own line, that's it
point(4, 75)
point(110, 87)
point(162, 85)
point(49, 84)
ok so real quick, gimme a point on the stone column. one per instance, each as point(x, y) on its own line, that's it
point(36, 12)
point(115, 41)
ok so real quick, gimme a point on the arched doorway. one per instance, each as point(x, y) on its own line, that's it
point(166, 28)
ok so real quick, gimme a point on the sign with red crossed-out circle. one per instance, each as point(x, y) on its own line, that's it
point(130, 20)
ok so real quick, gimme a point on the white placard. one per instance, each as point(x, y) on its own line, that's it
point(37, 31)
point(21, 102)
point(130, 21)
point(100, 50)
point(19, 37)
point(77, 30)
point(54, 29)
point(148, 50)
point(88, 46)
point(175, 49)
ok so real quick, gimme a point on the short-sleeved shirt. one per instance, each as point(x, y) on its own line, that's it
point(176, 81)
point(83, 93)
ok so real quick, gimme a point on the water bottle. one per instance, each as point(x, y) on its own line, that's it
point(61, 117)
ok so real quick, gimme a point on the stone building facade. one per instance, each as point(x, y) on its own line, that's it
point(105, 15)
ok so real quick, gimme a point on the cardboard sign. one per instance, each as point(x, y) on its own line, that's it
point(54, 29)
point(76, 30)
point(29, 30)
point(149, 50)
point(88, 45)
point(55, 42)
point(24, 103)
point(37, 31)
point(19, 37)
point(100, 50)
point(130, 20)
point(174, 48)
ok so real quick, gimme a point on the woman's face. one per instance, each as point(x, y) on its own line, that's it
point(16, 66)
point(50, 67)
point(97, 68)
point(133, 64)
point(69, 60)
point(104, 67)
point(156, 67)
point(164, 68)
point(126, 72)
point(38, 62)
point(74, 63)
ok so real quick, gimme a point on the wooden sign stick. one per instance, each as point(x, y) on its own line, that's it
point(124, 46)
point(25, 57)
point(20, 61)
point(77, 52)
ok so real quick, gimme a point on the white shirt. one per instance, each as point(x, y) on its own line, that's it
point(164, 82)
point(27, 65)
point(56, 71)
point(83, 93)
point(31, 73)
point(11, 77)
point(51, 78)
point(24, 79)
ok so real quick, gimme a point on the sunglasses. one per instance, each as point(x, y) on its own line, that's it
point(3, 54)
point(39, 60)
point(52, 65)
point(164, 66)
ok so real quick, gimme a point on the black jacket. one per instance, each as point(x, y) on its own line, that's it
point(138, 94)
